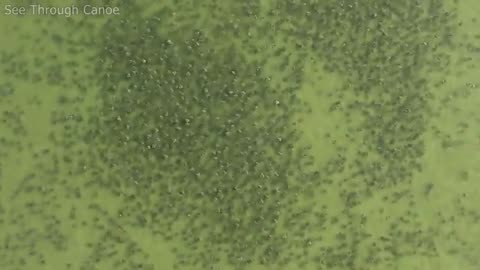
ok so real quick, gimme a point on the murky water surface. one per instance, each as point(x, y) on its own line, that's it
point(240, 135)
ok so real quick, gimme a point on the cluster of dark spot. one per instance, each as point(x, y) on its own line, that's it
point(185, 124)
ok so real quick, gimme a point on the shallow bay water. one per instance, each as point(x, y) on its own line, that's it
point(241, 135)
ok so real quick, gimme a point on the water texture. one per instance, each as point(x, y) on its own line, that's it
point(242, 135)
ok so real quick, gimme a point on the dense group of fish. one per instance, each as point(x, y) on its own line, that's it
point(185, 124)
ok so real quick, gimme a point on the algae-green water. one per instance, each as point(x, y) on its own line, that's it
point(240, 135)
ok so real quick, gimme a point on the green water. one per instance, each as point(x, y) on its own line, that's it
point(241, 135)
